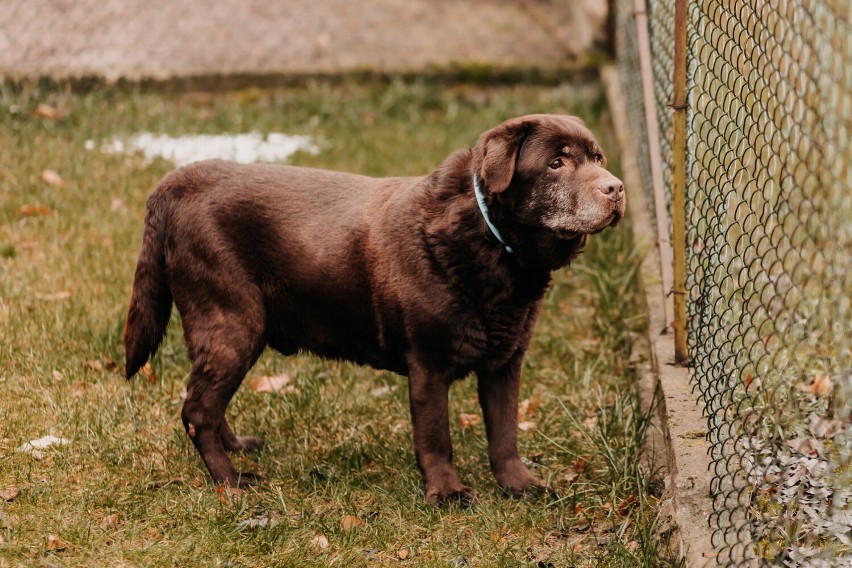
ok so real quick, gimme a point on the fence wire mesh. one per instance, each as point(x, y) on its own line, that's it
point(769, 251)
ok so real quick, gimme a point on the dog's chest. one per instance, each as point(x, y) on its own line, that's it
point(489, 339)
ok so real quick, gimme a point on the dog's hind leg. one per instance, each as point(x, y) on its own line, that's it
point(223, 347)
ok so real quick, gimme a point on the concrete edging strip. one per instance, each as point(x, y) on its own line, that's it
point(686, 500)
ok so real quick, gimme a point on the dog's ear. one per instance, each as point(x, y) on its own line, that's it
point(498, 150)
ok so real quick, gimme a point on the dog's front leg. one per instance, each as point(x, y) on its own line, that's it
point(498, 396)
point(428, 394)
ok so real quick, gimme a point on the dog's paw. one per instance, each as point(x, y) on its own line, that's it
point(517, 481)
point(461, 494)
point(533, 490)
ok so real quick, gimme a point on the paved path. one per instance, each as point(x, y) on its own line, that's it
point(169, 38)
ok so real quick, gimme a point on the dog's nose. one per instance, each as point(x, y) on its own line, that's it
point(613, 189)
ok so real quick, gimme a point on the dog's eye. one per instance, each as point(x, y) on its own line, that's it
point(556, 164)
point(599, 158)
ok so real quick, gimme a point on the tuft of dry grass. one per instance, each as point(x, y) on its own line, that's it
point(129, 489)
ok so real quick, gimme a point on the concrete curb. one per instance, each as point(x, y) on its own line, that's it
point(681, 440)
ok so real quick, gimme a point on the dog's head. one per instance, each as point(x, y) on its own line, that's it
point(548, 172)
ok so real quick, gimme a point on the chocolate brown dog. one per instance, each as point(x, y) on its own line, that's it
point(430, 277)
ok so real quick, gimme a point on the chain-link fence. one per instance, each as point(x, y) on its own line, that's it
point(768, 257)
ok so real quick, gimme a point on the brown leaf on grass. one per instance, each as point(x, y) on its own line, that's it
point(403, 553)
point(526, 425)
point(320, 541)
point(57, 376)
point(468, 420)
point(752, 383)
point(351, 522)
point(10, 493)
point(110, 521)
point(580, 465)
point(44, 110)
point(626, 505)
point(570, 476)
point(148, 373)
point(94, 365)
point(79, 389)
point(820, 385)
point(227, 494)
point(810, 447)
point(50, 177)
point(527, 407)
point(34, 210)
point(276, 383)
point(823, 427)
point(55, 544)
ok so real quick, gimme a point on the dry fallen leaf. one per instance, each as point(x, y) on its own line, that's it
point(148, 373)
point(270, 384)
point(820, 385)
point(44, 110)
point(109, 521)
point(626, 505)
point(320, 541)
point(50, 177)
point(810, 447)
point(350, 522)
point(570, 476)
point(526, 425)
point(57, 376)
point(53, 543)
point(823, 427)
point(9, 494)
point(227, 494)
point(117, 205)
point(402, 553)
point(580, 465)
point(94, 365)
point(79, 389)
point(591, 423)
point(527, 407)
point(468, 420)
point(752, 383)
point(31, 210)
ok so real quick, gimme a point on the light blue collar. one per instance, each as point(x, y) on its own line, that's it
point(480, 200)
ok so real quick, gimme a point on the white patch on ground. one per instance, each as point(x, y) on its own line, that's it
point(182, 150)
point(42, 443)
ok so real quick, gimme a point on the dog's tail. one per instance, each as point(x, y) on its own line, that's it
point(151, 299)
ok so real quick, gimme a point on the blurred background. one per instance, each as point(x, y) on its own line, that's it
point(166, 39)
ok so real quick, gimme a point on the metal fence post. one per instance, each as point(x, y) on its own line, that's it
point(679, 182)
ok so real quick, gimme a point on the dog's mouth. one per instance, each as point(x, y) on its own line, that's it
point(617, 216)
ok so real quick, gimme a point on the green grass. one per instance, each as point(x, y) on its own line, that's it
point(339, 447)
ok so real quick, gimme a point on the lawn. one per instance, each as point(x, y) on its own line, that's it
point(128, 488)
